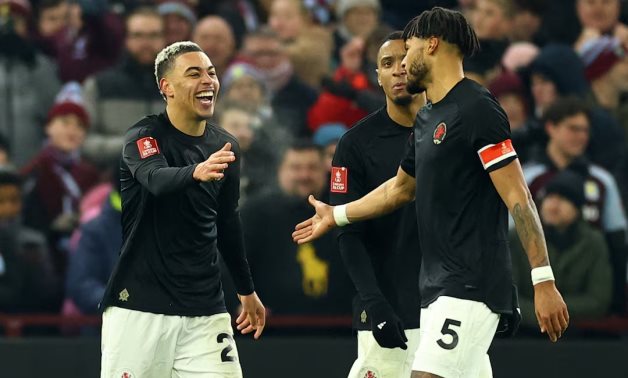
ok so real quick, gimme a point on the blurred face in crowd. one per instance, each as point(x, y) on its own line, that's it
point(361, 20)
point(515, 109)
point(247, 90)
point(237, 122)
point(490, 20)
point(66, 132)
point(525, 24)
point(10, 201)
point(416, 65)
point(302, 173)
point(145, 37)
point(192, 85)
point(216, 38)
point(266, 52)
point(601, 15)
point(557, 211)
point(390, 73)
point(53, 19)
point(176, 28)
point(570, 136)
point(287, 18)
point(618, 75)
point(544, 91)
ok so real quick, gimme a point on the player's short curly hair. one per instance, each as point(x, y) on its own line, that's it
point(166, 57)
point(449, 25)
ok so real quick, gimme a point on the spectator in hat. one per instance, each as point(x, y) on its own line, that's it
point(28, 80)
point(356, 18)
point(327, 137)
point(179, 20)
point(578, 253)
point(27, 280)
point(215, 36)
point(606, 67)
point(57, 177)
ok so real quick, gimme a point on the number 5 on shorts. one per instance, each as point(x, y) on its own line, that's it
point(224, 355)
point(448, 331)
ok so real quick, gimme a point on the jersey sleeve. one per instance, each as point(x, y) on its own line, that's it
point(490, 136)
point(407, 163)
point(143, 155)
point(230, 237)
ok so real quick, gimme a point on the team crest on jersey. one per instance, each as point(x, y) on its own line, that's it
point(368, 373)
point(147, 147)
point(339, 179)
point(439, 133)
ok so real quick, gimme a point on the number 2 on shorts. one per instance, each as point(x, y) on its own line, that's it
point(448, 331)
point(224, 355)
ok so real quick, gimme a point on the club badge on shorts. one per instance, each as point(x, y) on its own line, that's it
point(368, 373)
point(439, 133)
point(125, 373)
point(339, 179)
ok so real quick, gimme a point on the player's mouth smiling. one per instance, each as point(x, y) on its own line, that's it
point(206, 98)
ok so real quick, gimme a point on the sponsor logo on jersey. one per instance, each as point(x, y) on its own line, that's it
point(339, 182)
point(439, 133)
point(147, 147)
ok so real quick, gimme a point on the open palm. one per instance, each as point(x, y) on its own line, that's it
point(317, 226)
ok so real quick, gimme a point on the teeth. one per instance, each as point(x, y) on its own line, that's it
point(205, 94)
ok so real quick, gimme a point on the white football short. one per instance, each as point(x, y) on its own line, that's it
point(138, 344)
point(455, 336)
point(383, 362)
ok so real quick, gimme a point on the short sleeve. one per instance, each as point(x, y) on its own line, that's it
point(491, 134)
point(407, 163)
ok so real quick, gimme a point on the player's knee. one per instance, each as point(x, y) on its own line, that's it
point(420, 374)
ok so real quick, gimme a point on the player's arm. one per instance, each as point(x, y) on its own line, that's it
point(384, 199)
point(231, 247)
point(551, 310)
point(142, 154)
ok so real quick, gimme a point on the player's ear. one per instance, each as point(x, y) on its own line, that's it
point(379, 82)
point(166, 87)
point(432, 45)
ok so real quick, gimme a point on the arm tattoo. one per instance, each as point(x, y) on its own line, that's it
point(530, 232)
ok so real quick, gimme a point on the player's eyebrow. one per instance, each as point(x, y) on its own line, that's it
point(209, 68)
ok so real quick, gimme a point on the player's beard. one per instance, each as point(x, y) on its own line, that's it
point(417, 75)
point(403, 100)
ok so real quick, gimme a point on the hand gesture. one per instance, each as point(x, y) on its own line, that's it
point(253, 315)
point(213, 168)
point(316, 226)
point(551, 310)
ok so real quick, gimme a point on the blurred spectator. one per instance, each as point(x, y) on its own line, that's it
point(559, 72)
point(577, 252)
point(600, 17)
point(58, 176)
point(244, 83)
point(306, 279)
point(5, 152)
point(309, 46)
point(120, 96)
point(567, 125)
point(519, 55)
point(606, 67)
point(257, 158)
point(28, 81)
point(83, 37)
point(485, 65)
point(179, 20)
point(510, 92)
point(290, 97)
point(27, 280)
point(526, 20)
point(215, 36)
point(356, 18)
point(244, 16)
point(91, 264)
point(493, 19)
point(327, 137)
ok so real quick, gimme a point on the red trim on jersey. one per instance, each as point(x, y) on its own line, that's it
point(147, 147)
point(339, 180)
point(494, 153)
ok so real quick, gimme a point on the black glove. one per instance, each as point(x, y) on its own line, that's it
point(386, 326)
point(339, 88)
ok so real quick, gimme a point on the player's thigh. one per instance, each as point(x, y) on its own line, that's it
point(375, 361)
point(207, 349)
point(137, 343)
point(455, 336)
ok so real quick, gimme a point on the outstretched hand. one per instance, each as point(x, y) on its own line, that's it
point(551, 310)
point(253, 315)
point(213, 168)
point(318, 225)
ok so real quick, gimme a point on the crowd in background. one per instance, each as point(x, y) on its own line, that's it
point(295, 75)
